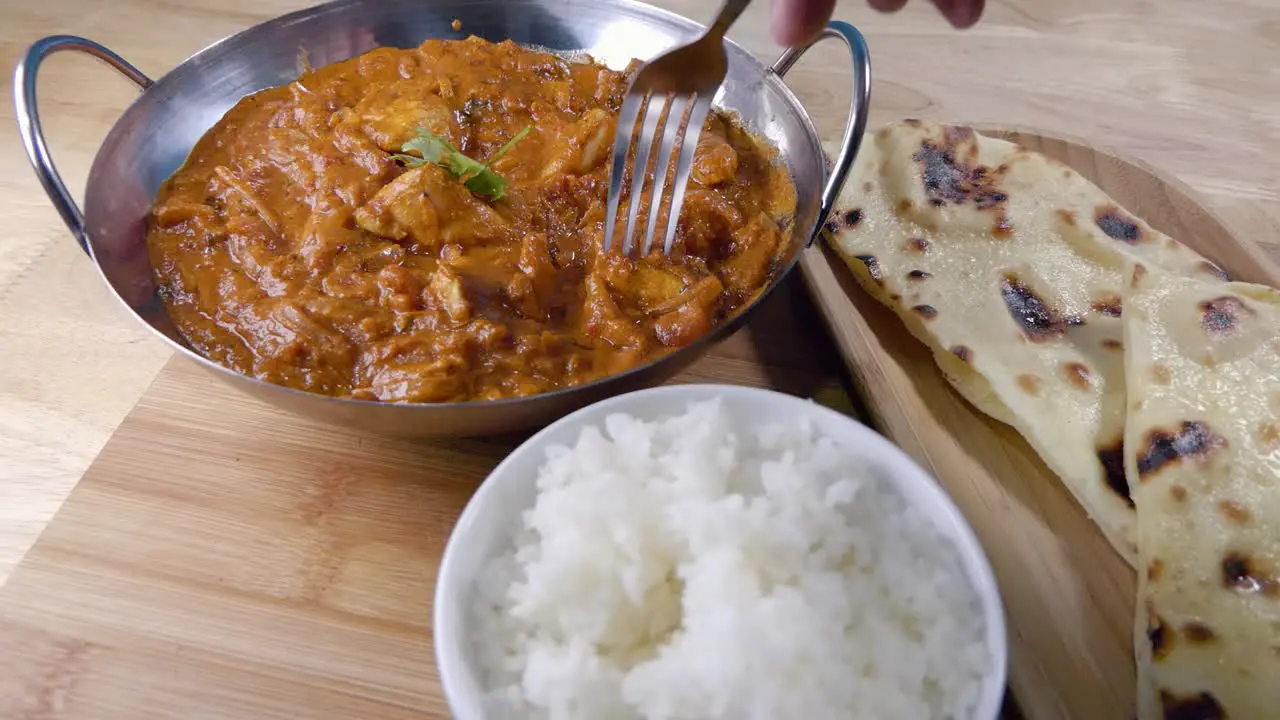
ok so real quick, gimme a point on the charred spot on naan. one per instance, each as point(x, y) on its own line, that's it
point(1038, 321)
point(1234, 511)
point(873, 267)
point(952, 176)
point(918, 245)
point(928, 312)
point(917, 275)
point(1029, 383)
point(1221, 315)
point(1107, 304)
point(1211, 269)
point(1198, 706)
point(1269, 436)
point(1003, 227)
point(962, 352)
point(851, 218)
point(1111, 456)
point(1198, 633)
point(1158, 634)
point(1191, 440)
point(1112, 344)
point(1246, 575)
point(1161, 374)
point(1077, 375)
point(1155, 569)
point(1117, 224)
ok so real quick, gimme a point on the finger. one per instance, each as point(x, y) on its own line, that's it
point(888, 5)
point(796, 21)
point(961, 13)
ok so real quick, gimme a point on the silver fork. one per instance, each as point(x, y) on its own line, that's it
point(677, 86)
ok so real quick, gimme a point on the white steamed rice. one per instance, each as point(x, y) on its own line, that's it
point(693, 568)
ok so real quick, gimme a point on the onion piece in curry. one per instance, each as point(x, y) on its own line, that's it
point(296, 247)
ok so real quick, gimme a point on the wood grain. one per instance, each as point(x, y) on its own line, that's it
point(224, 560)
point(1069, 598)
point(1191, 88)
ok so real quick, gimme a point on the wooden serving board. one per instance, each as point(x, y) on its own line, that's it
point(1069, 598)
point(224, 560)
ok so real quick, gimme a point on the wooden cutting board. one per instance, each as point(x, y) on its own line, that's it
point(221, 559)
point(1069, 598)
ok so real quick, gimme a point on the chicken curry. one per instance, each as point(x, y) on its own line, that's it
point(425, 225)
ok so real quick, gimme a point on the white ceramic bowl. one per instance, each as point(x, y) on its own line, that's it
point(485, 525)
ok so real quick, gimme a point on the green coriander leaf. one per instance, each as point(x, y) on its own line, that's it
point(509, 144)
point(476, 176)
point(432, 148)
point(408, 160)
point(487, 183)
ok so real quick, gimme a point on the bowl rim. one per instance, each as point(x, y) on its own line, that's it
point(260, 31)
point(461, 687)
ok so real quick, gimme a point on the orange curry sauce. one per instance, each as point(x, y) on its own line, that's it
point(293, 247)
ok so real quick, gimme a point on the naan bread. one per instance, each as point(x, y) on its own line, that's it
point(1009, 266)
point(1202, 451)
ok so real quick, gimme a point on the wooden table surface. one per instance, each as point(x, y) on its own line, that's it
point(1189, 88)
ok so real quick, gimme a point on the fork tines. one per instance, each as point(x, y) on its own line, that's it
point(645, 117)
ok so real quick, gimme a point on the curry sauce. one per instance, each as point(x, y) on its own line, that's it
point(299, 244)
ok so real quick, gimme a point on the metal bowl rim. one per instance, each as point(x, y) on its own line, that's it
point(729, 325)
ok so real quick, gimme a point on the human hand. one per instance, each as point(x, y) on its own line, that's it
point(795, 21)
point(960, 13)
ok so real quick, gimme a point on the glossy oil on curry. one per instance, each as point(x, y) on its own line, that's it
point(301, 245)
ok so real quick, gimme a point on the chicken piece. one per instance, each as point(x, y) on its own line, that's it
point(531, 288)
point(438, 381)
point(714, 161)
point(683, 325)
point(347, 281)
point(176, 212)
point(523, 299)
point(260, 254)
point(399, 288)
point(290, 347)
point(648, 288)
point(639, 286)
point(390, 119)
point(248, 196)
point(581, 147)
point(444, 292)
point(707, 220)
point(401, 211)
point(326, 234)
point(360, 165)
point(704, 293)
point(689, 314)
point(535, 261)
point(755, 247)
point(360, 325)
point(430, 208)
point(604, 319)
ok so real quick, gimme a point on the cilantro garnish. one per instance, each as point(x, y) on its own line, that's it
point(478, 177)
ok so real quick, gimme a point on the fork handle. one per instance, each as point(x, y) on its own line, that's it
point(729, 13)
point(856, 125)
